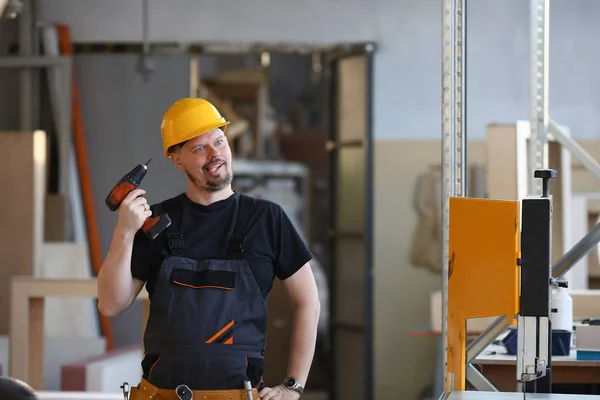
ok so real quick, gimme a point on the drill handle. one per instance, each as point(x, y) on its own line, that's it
point(126, 184)
point(118, 194)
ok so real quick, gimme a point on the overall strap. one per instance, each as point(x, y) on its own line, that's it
point(235, 249)
point(173, 232)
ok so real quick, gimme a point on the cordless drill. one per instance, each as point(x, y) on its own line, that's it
point(153, 226)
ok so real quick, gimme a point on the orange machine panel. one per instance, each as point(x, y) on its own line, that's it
point(483, 276)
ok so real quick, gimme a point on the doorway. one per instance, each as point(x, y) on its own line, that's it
point(301, 136)
point(350, 223)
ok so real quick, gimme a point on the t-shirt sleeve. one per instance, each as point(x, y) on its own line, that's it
point(141, 256)
point(292, 253)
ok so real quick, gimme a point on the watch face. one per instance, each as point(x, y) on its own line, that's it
point(290, 382)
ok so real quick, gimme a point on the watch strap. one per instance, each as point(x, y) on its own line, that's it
point(293, 384)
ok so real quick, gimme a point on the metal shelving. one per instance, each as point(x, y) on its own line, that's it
point(537, 156)
point(454, 137)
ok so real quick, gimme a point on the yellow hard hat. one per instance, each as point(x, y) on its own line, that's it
point(188, 118)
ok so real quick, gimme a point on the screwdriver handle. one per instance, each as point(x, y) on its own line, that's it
point(248, 388)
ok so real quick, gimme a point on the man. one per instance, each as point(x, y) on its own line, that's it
point(208, 275)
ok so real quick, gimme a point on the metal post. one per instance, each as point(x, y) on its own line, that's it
point(448, 155)
point(26, 74)
point(462, 101)
point(539, 10)
point(479, 381)
point(574, 148)
point(453, 139)
point(488, 336)
point(570, 258)
point(37, 73)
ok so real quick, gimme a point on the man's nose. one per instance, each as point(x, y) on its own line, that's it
point(213, 151)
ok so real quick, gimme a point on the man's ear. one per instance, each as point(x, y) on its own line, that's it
point(175, 158)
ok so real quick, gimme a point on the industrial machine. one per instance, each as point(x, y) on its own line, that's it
point(497, 253)
point(534, 334)
point(506, 247)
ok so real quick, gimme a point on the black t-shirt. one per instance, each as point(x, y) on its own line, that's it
point(273, 247)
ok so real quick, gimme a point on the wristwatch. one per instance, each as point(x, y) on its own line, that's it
point(293, 384)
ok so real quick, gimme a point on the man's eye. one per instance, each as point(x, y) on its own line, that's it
point(219, 142)
point(199, 148)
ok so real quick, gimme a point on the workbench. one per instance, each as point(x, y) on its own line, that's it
point(473, 395)
point(500, 368)
point(497, 366)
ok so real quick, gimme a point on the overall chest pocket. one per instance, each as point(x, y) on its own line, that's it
point(203, 304)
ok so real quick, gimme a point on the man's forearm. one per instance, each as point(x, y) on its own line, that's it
point(114, 279)
point(304, 337)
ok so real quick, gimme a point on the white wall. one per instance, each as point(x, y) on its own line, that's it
point(407, 64)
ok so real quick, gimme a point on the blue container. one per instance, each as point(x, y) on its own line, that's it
point(561, 342)
point(588, 355)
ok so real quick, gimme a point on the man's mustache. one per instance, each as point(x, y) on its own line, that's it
point(214, 161)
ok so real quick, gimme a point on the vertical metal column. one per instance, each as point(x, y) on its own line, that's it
point(537, 159)
point(461, 90)
point(454, 166)
point(26, 94)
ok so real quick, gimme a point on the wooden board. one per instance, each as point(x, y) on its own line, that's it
point(23, 180)
point(506, 161)
point(28, 298)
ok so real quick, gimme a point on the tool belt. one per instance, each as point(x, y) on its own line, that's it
point(146, 391)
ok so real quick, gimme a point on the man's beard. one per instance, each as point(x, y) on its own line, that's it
point(212, 184)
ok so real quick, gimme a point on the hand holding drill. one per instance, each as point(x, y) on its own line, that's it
point(134, 211)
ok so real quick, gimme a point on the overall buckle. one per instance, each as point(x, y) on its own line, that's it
point(236, 243)
point(175, 241)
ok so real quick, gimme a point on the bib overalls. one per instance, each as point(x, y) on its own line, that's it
point(207, 316)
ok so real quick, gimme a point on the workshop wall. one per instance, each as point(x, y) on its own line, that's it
point(404, 364)
point(406, 110)
point(407, 64)
point(121, 116)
